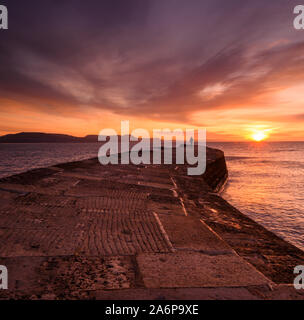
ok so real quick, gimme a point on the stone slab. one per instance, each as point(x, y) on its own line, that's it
point(194, 269)
point(177, 294)
point(66, 277)
point(189, 233)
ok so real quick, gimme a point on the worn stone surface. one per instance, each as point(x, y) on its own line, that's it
point(178, 294)
point(83, 231)
point(195, 269)
point(188, 233)
point(67, 277)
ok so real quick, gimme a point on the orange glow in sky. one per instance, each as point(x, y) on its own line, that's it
point(232, 82)
point(259, 136)
point(259, 133)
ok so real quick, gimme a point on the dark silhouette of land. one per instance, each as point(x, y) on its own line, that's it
point(39, 137)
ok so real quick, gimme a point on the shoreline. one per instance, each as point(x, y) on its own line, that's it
point(192, 223)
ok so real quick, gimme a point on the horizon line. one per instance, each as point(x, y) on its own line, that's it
point(87, 135)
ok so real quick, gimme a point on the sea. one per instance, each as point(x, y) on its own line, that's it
point(266, 179)
point(266, 182)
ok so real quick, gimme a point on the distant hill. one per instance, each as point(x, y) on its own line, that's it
point(38, 137)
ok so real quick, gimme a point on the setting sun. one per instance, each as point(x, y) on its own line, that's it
point(259, 136)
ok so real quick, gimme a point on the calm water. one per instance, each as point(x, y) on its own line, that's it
point(266, 180)
point(16, 158)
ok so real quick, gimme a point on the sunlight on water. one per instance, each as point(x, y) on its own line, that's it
point(266, 181)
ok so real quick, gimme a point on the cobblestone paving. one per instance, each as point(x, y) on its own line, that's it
point(95, 218)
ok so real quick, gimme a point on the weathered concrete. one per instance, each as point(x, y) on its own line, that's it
point(83, 231)
point(197, 270)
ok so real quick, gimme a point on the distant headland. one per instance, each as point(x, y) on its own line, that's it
point(39, 137)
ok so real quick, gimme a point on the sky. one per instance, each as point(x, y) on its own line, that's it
point(234, 67)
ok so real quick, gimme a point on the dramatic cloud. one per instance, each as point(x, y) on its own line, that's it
point(161, 61)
